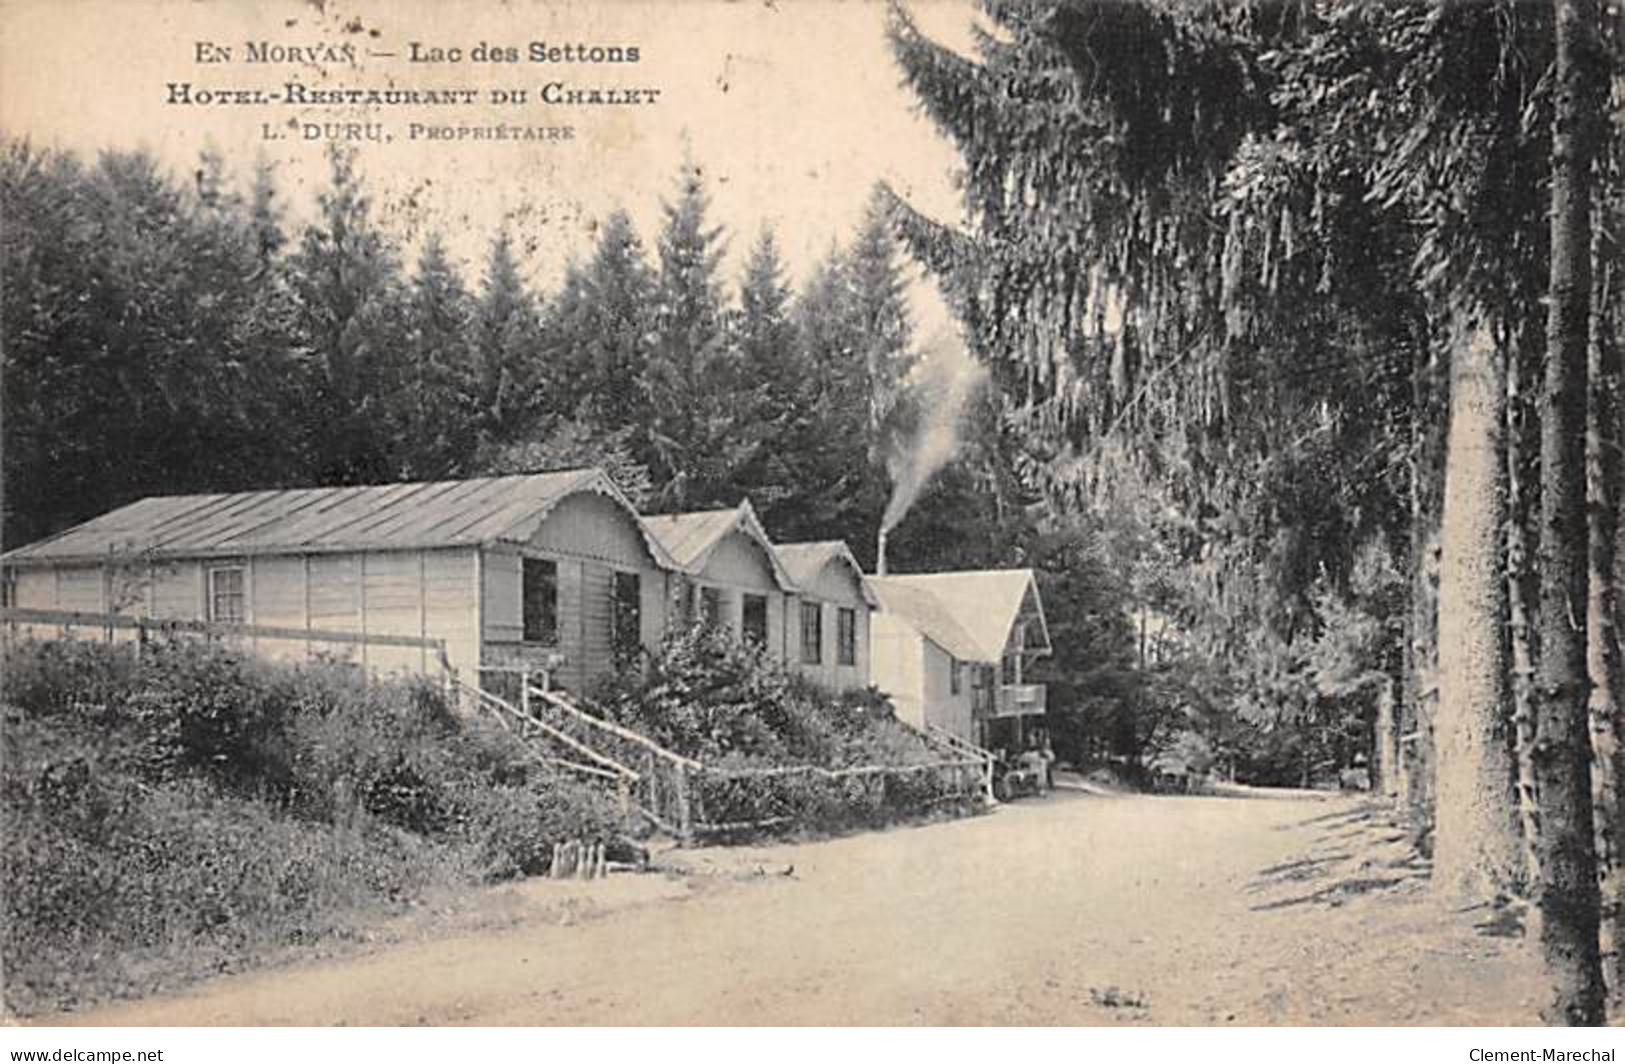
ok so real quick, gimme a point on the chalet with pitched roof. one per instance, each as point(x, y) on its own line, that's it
point(734, 577)
point(830, 614)
point(952, 650)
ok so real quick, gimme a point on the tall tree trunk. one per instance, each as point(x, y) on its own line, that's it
point(1523, 583)
point(1604, 468)
point(1603, 647)
point(1476, 849)
point(1567, 891)
point(1385, 741)
point(1429, 397)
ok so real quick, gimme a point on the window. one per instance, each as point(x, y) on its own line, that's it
point(956, 682)
point(812, 633)
point(1008, 671)
point(754, 619)
point(540, 580)
point(625, 617)
point(846, 636)
point(711, 606)
point(981, 679)
point(227, 597)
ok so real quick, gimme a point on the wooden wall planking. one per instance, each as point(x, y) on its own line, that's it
point(451, 604)
point(80, 587)
point(596, 657)
point(36, 589)
point(277, 598)
point(393, 600)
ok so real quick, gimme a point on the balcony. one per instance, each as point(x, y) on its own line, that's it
point(1020, 700)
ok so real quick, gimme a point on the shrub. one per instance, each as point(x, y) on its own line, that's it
point(510, 830)
point(738, 710)
point(199, 802)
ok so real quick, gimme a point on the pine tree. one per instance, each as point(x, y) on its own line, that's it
point(1567, 888)
point(878, 306)
point(441, 423)
point(147, 346)
point(265, 213)
point(506, 350)
point(1282, 184)
point(349, 317)
point(701, 418)
point(841, 492)
point(780, 385)
point(599, 333)
point(1605, 475)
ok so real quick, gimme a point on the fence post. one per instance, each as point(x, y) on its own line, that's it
point(685, 825)
point(524, 691)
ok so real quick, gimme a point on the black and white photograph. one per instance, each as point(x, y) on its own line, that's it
point(812, 513)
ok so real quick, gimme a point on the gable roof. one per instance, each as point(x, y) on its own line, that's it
point(922, 610)
point(969, 613)
point(805, 561)
point(445, 513)
point(691, 538)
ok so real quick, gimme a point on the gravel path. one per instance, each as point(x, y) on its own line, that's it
point(1071, 910)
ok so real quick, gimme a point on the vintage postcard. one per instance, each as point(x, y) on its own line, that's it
point(806, 512)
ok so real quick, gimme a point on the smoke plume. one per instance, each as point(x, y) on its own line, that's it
point(928, 434)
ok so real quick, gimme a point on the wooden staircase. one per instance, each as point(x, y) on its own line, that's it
point(962, 747)
point(667, 789)
point(652, 781)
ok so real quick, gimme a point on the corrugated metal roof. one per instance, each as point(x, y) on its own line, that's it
point(691, 537)
point(308, 520)
point(804, 561)
point(969, 613)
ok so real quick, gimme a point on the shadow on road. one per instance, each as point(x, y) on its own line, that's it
point(1356, 852)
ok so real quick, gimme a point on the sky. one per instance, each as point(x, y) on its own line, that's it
point(793, 108)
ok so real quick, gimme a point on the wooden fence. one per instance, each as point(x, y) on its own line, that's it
point(688, 799)
point(107, 625)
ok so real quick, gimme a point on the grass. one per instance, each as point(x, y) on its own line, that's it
point(194, 809)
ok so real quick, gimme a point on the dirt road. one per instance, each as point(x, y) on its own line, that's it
point(1069, 910)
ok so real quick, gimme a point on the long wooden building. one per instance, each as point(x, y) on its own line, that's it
point(528, 569)
point(548, 570)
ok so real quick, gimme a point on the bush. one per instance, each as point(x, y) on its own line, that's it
point(710, 697)
point(196, 800)
point(738, 710)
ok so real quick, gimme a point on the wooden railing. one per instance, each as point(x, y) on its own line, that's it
point(1020, 699)
point(67, 622)
point(964, 748)
point(687, 798)
point(754, 798)
point(661, 781)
